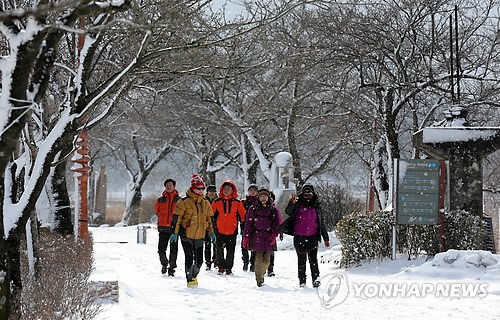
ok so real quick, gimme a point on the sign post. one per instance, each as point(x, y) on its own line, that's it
point(419, 193)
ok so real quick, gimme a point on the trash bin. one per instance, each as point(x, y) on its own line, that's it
point(141, 233)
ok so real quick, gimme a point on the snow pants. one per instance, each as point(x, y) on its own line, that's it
point(193, 252)
point(163, 238)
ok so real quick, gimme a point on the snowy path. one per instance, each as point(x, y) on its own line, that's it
point(147, 294)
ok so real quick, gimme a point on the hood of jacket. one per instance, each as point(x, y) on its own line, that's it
point(232, 195)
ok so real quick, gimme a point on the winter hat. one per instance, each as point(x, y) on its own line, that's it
point(253, 186)
point(169, 180)
point(307, 188)
point(211, 188)
point(197, 181)
point(264, 190)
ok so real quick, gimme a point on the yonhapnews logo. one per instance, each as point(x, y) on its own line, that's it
point(335, 289)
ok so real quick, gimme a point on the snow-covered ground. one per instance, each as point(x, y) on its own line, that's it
point(455, 284)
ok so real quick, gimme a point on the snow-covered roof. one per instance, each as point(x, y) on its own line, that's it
point(459, 134)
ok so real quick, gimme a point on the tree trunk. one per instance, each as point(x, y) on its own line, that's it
point(133, 210)
point(62, 209)
point(35, 242)
point(292, 147)
point(4, 276)
point(14, 269)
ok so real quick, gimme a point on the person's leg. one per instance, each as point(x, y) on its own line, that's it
point(313, 264)
point(300, 248)
point(220, 253)
point(270, 269)
point(188, 247)
point(198, 257)
point(230, 248)
point(174, 248)
point(252, 261)
point(214, 256)
point(245, 257)
point(208, 252)
point(261, 263)
point(301, 266)
point(162, 250)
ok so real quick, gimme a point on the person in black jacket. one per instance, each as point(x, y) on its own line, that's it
point(209, 256)
point(305, 224)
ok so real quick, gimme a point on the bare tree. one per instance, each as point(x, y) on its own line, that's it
point(399, 54)
point(33, 36)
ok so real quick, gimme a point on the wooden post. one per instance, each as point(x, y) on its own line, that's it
point(442, 185)
point(81, 169)
point(81, 159)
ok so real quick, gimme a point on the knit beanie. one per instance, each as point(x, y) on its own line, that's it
point(307, 188)
point(265, 191)
point(197, 181)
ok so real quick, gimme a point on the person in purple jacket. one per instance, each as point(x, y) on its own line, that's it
point(305, 224)
point(261, 229)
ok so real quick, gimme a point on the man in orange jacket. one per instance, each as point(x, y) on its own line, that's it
point(228, 211)
point(164, 209)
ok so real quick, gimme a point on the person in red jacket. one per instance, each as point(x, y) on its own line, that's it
point(228, 211)
point(164, 209)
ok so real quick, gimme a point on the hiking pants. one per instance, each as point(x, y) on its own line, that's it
point(193, 252)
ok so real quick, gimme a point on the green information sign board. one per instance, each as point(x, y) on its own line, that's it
point(417, 191)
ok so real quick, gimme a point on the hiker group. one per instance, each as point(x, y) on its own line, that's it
point(207, 225)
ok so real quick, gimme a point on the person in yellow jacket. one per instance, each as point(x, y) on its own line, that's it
point(193, 217)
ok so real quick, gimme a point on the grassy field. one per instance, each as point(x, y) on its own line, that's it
point(115, 209)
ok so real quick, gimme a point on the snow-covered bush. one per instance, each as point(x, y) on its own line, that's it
point(463, 230)
point(367, 236)
point(364, 236)
point(61, 289)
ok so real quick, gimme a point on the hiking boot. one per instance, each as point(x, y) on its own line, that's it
point(245, 266)
point(209, 267)
point(171, 272)
point(163, 269)
point(260, 282)
point(252, 268)
point(271, 274)
point(316, 283)
point(193, 283)
point(229, 272)
point(221, 271)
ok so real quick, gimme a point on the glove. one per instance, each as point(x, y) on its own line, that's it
point(173, 237)
point(245, 242)
point(272, 240)
point(213, 237)
point(327, 243)
point(281, 236)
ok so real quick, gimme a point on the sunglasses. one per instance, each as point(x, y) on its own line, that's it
point(200, 188)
